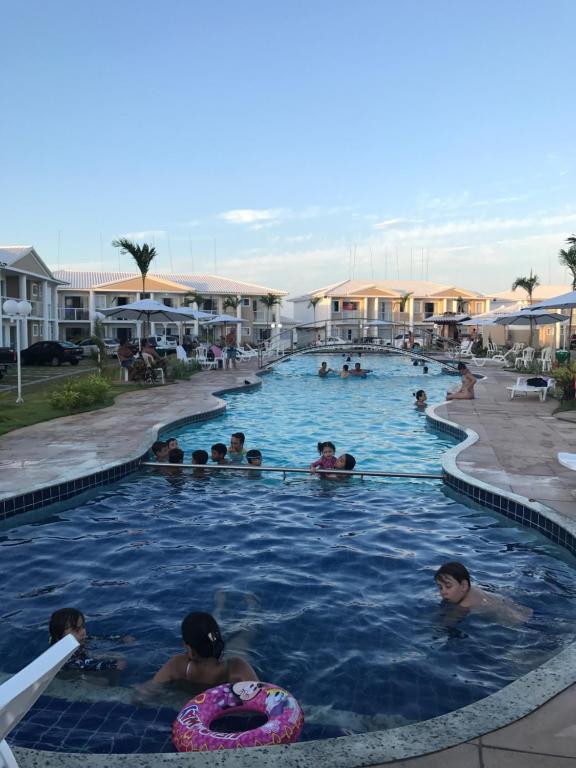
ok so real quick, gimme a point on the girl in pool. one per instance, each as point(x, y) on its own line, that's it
point(420, 398)
point(71, 621)
point(327, 458)
point(201, 663)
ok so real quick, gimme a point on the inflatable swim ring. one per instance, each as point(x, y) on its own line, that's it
point(191, 729)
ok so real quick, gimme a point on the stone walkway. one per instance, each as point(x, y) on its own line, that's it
point(519, 440)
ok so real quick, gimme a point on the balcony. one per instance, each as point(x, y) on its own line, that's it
point(352, 314)
point(73, 314)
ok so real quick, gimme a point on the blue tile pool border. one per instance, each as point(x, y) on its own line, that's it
point(511, 703)
point(531, 514)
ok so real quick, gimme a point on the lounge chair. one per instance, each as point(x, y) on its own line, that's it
point(545, 359)
point(181, 354)
point(123, 372)
point(526, 357)
point(21, 691)
point(522, 388)
point(202, 359)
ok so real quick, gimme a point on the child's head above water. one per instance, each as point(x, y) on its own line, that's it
point(67, 621)
point(237, 441)
point(201, 633)
point(254, 457)
point(326, 449)
point(346, 462)
point(171, 442)
point(199, 457)
point(420, 396)
point(218, 451)
point(453, 581)
point(176, 456)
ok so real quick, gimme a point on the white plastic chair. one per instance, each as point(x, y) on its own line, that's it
point(155, 371)
point(526, 358)
point(22, 690)
point(202, 359)
point(122, 368)
point(181, 354)
point(545, 359)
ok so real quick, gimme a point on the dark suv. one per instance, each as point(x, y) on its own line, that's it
point(52, 352)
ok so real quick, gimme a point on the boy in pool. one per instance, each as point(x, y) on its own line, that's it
point(218, 453)
point(453, 582)
point(254, 457)
point(420, 396)
point(323, 371)
point(201, 662)
point(71, 621)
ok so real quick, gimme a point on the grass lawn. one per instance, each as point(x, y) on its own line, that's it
point(36, 407)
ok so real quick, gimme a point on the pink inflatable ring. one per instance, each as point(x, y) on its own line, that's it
point(191, 729)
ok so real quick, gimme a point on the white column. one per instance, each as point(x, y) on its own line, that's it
point(239, 326)
point(23, 297)
point(46, 295)
point(91, 310)
point(54, 326)
point(411, 312)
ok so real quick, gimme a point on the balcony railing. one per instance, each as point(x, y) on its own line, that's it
point(73, 313)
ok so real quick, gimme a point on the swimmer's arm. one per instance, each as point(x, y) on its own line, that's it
point(171, 670)
point(241, 670)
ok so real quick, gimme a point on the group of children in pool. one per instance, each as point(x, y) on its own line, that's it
point(169, 451)
point(201, 664)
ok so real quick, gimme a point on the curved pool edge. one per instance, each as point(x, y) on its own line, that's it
point(496, 711)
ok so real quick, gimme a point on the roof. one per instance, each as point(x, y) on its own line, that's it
point(23, 258)
point(393, 288)
point(541, 292)
point(203, 284)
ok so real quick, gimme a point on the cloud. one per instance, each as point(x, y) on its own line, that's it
point(250, 215)
point(393, 223)
point(463, 200)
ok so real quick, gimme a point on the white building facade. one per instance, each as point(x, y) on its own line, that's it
point(85, 293)
point(24, 276)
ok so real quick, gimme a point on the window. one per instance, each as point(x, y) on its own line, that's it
point(35, 329)
point(73, 302)
point(168, 302)
point(349, 334)
point(209, 305)
point(349, 306)
point(245, 302)
point(417, 307)
point(428, 308)
point(478, 307)
point(144, 295)
point(335, 305)
point(121, 300)
point(254, 305)
point(34, 291)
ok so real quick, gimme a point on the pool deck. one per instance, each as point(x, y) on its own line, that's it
point(519, 440)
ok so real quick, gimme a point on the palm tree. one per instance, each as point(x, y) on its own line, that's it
point(568, 259)
point(460, 305)
point(192, 297)
point(232, 301)
point(403, 300)
point(312, 303)
point(571, 240)
point(143, 255)
point(269, 301)
point(528, 284)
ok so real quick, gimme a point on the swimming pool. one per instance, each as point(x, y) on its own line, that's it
point(346, 615)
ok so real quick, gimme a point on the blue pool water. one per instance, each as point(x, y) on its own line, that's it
point(327, 584)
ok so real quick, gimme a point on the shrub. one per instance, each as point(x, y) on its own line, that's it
point(565, 376)
point(181, 370)
point(83, 393)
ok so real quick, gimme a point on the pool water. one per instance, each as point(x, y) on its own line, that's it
point(327, 586)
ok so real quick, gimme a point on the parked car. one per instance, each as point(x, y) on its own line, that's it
point(7, 358)
point(166, 343)
point(52, 352)
point(88, 346)
point(336, 340)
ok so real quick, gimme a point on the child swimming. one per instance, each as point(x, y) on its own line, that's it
point(71, 621)
point(453, 582)
point(236, 450)
point(420, 396)
point(201, 663)
point(327, 458)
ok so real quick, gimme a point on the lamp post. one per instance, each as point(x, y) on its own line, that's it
point(275, 339)
point(17, 311)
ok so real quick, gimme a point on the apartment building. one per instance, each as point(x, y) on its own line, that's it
point(24, 276)
point(82, 294)
point(348, 307)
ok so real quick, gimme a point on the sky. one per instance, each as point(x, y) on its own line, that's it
point(293, 144)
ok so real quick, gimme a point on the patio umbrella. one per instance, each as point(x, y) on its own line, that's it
point(446, 318)
point(531, 317)
point(224, 320)
point(565, 301)
point(152, 311)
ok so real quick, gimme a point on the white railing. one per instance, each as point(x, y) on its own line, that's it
point(73, 313)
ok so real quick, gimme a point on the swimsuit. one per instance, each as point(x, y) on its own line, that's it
point(82, 661)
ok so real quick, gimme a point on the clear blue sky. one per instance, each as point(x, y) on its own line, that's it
point(293, 143)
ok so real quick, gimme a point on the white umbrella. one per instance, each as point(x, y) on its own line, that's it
point(446, 318)
point(152, 311)
point(531, 317)
point(565, 301)
point(221, 320)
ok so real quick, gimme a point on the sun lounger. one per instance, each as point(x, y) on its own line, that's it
point(20, 692)
point(522, 388)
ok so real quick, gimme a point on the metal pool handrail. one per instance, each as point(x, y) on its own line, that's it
point(293, 470)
